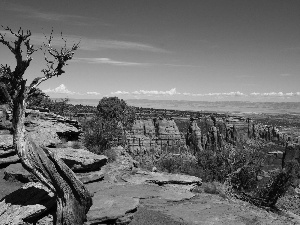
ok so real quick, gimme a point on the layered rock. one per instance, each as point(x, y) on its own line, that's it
point(80, 160)
point(168, 133)
point(47, 129)
point(153, 134)
point(194, 136)
point(36, 200)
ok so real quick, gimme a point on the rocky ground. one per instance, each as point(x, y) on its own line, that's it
point(125, 194)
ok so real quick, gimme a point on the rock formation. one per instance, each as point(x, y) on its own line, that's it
point(47, 129)
point(156, 134)
point(194, 136)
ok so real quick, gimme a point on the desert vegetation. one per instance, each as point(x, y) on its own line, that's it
point(238, 162)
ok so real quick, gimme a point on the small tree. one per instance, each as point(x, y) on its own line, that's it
point(73, 199)
point(100, 134)
point(115, 109)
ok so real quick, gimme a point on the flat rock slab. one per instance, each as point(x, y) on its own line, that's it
point(9, 160)
point(110, 208)
point(80, 160)
point(141, 191)
point(212, 209)
point(7, 152)
point(141, 177)
point(35, 200)
point(90, 177)
point(16, 172)
point(6, 142)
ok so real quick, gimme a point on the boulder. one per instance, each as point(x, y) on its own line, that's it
point(110, 205)
point(110, 208)
point(36, 200)
point(80, 160)
point(16, 172)
point(140, 177)
point(6, 153)
point(6, 142)
point(123, 162)
point(90, 177)
point(9, 160)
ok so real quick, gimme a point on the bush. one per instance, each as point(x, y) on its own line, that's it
point(76, 145)
point(100, 135)
point(218, 165)
point(111, 155)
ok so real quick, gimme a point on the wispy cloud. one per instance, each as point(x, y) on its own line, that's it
point(124, 63)
point(61, 89)
point(174, 92)
point(146, 92)
point(217, 94)
point(30, 12)
point(275, 94)
point(93, 93)
point(108, 61)
point(92, 44)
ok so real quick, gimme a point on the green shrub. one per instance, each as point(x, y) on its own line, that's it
point(76, 145)
point(111, 155)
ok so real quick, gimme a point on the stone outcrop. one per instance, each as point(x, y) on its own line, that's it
point(144, 177)
point(9, 160)
point(194, 136)
point(6, 142)
point(153, 134)
point(36, 200)
point(139, 197)
point(80, 160)
point(16, 172)
point(47, 129)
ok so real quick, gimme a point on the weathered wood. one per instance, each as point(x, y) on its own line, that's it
point(73, 199)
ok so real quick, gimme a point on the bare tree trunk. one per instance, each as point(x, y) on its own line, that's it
point(73, 199)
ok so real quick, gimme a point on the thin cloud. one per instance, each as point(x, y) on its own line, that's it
point(91, 44)
point(275, 94)
point(108, 61)
point(61, 89)
point(30, 12)
point(217, 94)
point(174, 92)
point(93, 93)
point(149, 93)
point(123, 63)
point(94, 44)
point(120, 93)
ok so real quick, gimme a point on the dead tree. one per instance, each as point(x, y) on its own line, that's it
point(73, 199)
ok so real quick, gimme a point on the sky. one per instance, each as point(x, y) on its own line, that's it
point(206, 50)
